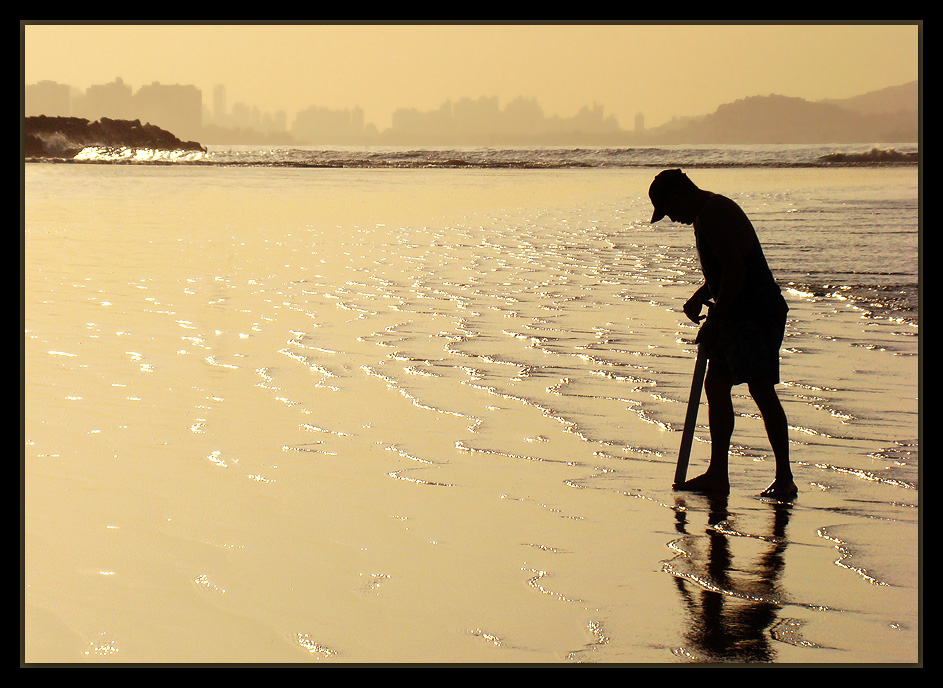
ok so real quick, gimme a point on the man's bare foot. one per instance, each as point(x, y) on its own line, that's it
point(781, 490)
point(705, 484)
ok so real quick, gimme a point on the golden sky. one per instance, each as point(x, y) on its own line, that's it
point(660, 70)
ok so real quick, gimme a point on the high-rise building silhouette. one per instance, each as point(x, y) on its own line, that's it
point(48, 98)
point(176, 108)
point(219, 104)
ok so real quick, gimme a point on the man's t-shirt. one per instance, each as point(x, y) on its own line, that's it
point(759, 297)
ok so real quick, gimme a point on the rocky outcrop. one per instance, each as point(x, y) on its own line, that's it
point(65, 137)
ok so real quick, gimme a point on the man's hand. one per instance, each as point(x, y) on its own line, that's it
point(692, 307)
point(707, 335)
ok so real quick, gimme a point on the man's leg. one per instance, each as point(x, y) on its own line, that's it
point(720, 416)
point(777, 429)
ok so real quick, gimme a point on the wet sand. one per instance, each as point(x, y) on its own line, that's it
point(431, 416)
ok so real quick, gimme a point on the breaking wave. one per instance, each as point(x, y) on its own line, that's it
point(522, 158)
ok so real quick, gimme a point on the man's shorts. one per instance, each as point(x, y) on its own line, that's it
point(748, 350)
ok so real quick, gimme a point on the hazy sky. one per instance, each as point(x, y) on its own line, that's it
point(660, 70)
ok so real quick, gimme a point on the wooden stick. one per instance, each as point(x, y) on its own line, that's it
point(690, 419)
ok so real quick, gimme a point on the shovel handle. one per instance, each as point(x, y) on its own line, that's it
point(690, 418)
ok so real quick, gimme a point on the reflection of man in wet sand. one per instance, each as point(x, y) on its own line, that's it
point(738, 611)
point(744, 327)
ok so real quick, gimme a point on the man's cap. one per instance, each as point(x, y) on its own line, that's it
point(663, 185)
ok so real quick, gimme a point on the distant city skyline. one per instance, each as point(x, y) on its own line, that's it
point(662, 71)
point(886, 115)
point(184, 109)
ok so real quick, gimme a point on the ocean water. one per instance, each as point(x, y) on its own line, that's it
point(873, 274)
point(358, 406)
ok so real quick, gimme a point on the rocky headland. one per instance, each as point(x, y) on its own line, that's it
point(65, 137)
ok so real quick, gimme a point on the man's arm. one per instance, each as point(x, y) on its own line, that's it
point(692, 308)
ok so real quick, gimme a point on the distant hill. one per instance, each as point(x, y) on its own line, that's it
point(893, 99)
point(886, 116)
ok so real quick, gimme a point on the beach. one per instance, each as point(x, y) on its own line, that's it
point(352, 416)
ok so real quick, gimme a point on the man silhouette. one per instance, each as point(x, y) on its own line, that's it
point(743, 330)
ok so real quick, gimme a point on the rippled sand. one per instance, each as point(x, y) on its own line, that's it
point(431, 416)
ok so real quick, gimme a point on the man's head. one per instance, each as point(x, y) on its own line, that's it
point(670, 192)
